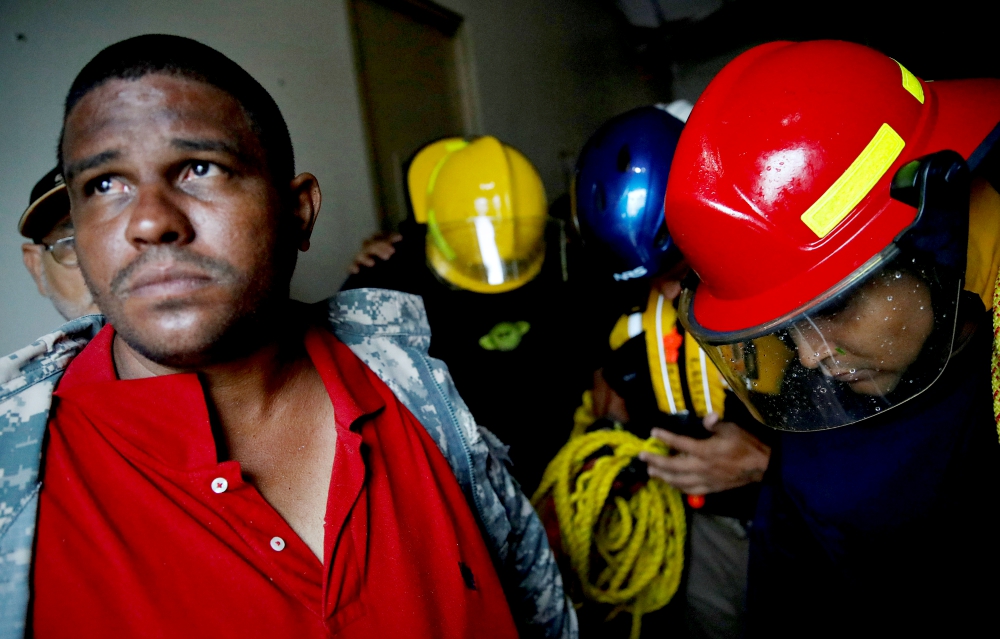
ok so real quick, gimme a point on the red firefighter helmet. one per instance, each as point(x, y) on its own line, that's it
point(779, 194)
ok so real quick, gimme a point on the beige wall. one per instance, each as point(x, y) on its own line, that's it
point(545, 74)
point(548, 73)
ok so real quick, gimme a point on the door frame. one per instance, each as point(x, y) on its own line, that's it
point(451, 24)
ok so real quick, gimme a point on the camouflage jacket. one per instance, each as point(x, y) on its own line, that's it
point(388, 330)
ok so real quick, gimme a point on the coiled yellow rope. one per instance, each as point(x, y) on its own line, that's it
point(639, 538)
point(583, 416)
point(996, 353)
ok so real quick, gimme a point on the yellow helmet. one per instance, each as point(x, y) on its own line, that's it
point(484, 207)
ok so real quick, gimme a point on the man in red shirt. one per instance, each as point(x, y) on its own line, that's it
point(217, 465)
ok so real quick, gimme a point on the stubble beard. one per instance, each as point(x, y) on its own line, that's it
point(232, 331)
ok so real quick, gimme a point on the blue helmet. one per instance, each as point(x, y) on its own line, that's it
point(621, 180)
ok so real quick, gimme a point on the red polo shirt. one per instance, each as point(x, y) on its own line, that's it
point(143, 533)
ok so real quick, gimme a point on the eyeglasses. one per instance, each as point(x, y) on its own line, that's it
point(63, 251)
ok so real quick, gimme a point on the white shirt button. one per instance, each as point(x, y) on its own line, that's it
point(277, 543)
point(219, 485)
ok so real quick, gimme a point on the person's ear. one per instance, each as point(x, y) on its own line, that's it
point(32, 255)
point(306, 199)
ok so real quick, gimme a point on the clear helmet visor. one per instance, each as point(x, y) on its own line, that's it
point(883, 337)
point(488, 254)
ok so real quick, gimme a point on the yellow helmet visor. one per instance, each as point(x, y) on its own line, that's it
point(487, 254)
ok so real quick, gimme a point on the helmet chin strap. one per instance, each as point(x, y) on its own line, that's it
point(938, 185)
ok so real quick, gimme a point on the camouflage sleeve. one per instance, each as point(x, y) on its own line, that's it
point(388, 330)
point(27, 380)
point(529, 560)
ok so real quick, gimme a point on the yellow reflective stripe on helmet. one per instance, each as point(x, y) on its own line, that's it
point(432, 226)
point(438, 237)
point(911, 83)
point(419, 172)
point(855, 183)
point(450, 147)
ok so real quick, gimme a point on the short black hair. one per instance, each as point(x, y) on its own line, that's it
point(174, 55)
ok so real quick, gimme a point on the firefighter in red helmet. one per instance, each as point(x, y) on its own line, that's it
point(843, 219)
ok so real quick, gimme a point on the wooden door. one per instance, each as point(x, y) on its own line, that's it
point(409, 67)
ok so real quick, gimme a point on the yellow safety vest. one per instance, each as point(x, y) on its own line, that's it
point(706, 385)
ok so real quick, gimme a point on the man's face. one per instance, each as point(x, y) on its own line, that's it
point(62, 283)
point(871, 342)
point(178, 224)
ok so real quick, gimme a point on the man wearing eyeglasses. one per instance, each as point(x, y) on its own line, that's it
point(51, 255)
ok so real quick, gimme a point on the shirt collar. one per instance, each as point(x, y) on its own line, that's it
point(93, 365)
point(161, 420)
point(166, 418)
point(345, 376)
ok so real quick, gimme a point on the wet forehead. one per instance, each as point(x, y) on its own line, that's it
point(121, 114)
point(894, 285)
